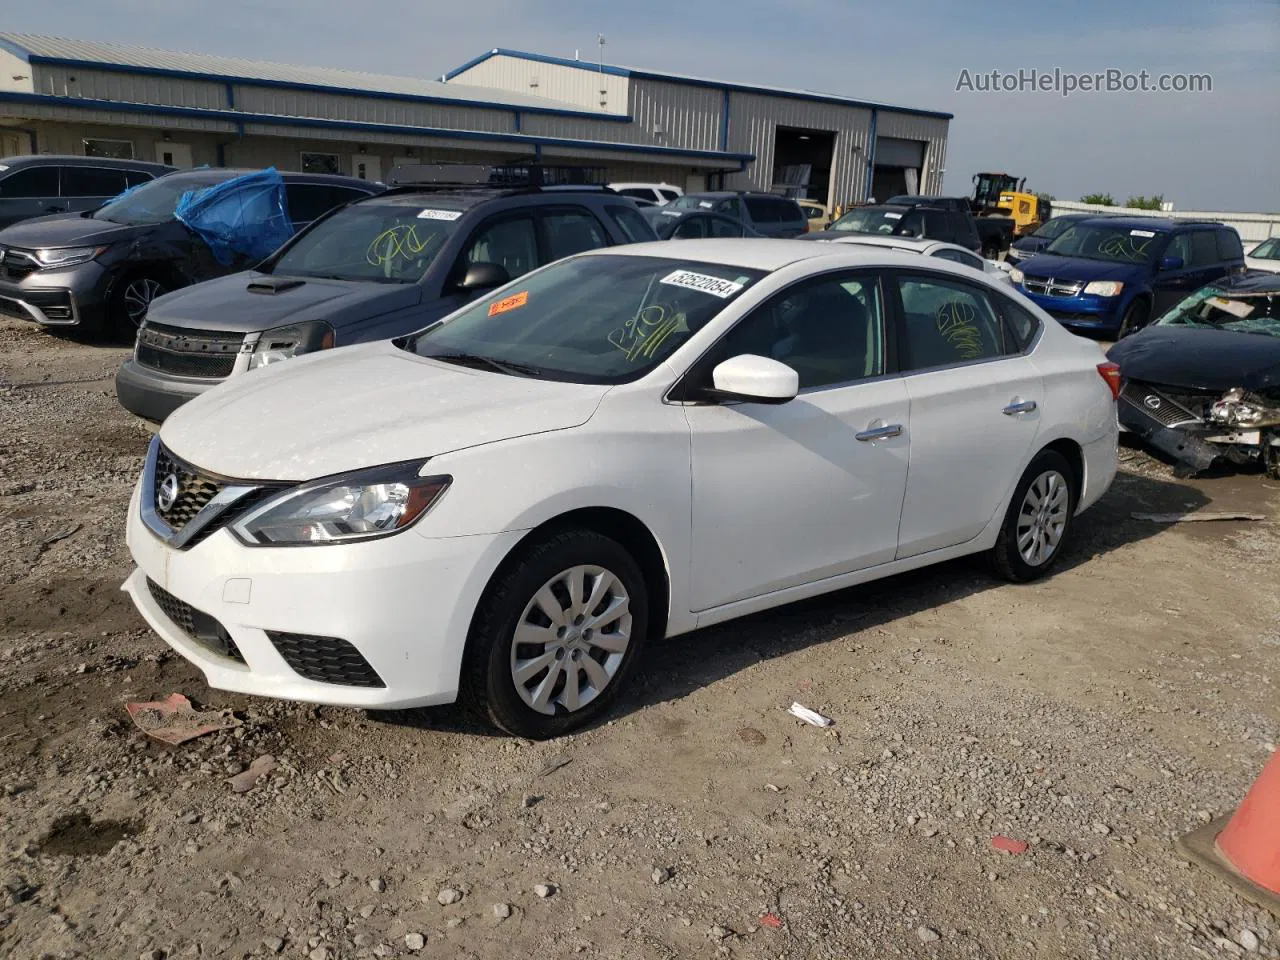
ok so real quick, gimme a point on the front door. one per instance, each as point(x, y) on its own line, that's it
point(366, 167)
point(794, 493)
point(174, 154)
point(975, 410)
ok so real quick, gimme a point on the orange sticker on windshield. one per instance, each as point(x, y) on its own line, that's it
point(513, 302)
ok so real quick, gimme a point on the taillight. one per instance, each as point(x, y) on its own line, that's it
point(1110, 372)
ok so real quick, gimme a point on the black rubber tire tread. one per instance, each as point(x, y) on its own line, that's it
point(487, 689)
point(1005, 559)
point(1134, 319)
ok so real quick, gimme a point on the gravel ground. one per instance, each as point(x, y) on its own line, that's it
point(1096, 716)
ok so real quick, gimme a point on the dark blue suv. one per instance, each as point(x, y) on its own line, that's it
point(1113, 275)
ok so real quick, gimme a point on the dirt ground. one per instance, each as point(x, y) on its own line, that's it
point(1098, 715)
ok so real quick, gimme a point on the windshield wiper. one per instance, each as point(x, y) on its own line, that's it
point(475, 360)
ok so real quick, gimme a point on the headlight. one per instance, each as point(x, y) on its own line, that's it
point(67, 256)
point(1016, 275)
point(1104, 288)
point(285, 342)
point(1237, 408)
point(355, 506)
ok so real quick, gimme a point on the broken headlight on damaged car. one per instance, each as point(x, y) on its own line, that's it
point(290, 341)
point(347, 508)
point(1240, 409)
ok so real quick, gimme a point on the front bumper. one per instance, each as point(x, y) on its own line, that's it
point(152, 394)
point(1080, 312)
point(405, 603)
point(70, 297)
point(1194, 443)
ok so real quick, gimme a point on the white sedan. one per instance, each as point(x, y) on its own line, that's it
point(1264, 256)
point(627, 444)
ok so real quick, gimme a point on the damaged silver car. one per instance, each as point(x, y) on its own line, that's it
point(1202, 384)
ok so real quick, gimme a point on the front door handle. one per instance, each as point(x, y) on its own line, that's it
point(879, 430)
point(1019, 406)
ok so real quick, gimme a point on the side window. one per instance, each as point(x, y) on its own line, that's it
point(29, 183)
point(633, 226)
point(310, 201)
point(135, 177)
point(911, 224)
point(936, 226)
point(959, 256)
point(512, 244)
point(948, 322)
point(572, 231)
point(668, 195)
point(690, 228)
point(92, 182)
point(731, 208)
point(761, 209)
point(1020, 324)
point(636, 193)
point(1204, 248)
point(787, 211)
point(830, 330)
point(1180, 246)
point(1229, 245)
point(720, 227)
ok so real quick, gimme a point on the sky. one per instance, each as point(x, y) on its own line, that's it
point(1207, 151)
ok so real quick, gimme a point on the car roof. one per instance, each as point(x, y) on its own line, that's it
point(881, 206)
point(230, 173)
point(70, 160)
point(1252, 281)
point(770, 255)
point(914, 244)
point(1142, 223)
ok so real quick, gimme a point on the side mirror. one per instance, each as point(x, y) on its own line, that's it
point(484, 276)
point(755, 379)
point(1171, 263)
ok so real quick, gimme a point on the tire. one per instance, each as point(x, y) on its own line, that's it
point(529, 687)
point(1030, 541)
point(130, 300)
point(1134, 319)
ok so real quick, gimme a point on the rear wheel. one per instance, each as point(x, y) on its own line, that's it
point(1038, 520)
point(556, 635)
point(1134, 319)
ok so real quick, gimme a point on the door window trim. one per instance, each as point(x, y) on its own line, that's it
point(684, 384)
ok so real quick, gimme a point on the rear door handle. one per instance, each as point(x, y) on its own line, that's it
point(1019, 406)
point(879, 430)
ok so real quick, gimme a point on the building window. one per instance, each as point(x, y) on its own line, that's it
point(117, 149)
point(321, 163)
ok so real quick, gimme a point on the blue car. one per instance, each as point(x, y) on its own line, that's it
point(1113, 275)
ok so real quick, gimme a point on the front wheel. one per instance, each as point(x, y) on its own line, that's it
point(132, 299)
point(556, 635)
point(1038, 520)
point(1134, 319)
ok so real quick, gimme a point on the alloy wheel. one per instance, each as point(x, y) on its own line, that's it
point(138, 296)
point(1042, 519)
point(571, 639)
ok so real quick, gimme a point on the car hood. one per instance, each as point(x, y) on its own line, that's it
point(1200, 359)
point(65, 230)
point(1073, 268)
point(363, 406)
point(1030, 244)
point(251, 301)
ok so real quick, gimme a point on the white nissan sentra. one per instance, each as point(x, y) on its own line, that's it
point(624, 445)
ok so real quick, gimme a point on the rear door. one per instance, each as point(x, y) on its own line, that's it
point(1198, 251)
point(87, 188)
point(975, 407)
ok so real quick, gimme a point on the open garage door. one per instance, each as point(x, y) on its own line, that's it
point(898, 166)
point(802, 163)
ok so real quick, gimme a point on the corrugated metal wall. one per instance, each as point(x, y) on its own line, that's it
point(129, 87)
point(282, 102)
point(568, 84)
point(932, 130)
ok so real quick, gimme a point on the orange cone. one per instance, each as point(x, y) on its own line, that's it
point(1246, 853)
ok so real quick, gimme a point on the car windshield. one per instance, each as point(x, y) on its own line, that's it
point(588, 319)
point(1053, 228)
point(379, 242)
point(868, 220)
point(1114, 244)
point(1267, 250)
point(1250, 312)
point(155, 201)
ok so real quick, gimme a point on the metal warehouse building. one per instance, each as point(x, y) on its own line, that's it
point(97, 99)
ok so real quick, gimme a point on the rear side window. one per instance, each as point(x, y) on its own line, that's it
point(311, 201)
point(572, 231)
point(29, 183)
point(668, 195)
point(135, 177)
point(1229, 245)
point(633, 226)
point(762, 209)
point(1019, 322)
point(92, 182)
point(1204, 248)
point(637, 193)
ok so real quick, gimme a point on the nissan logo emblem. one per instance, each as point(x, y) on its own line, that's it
point(168, 494)
point(1152, 403)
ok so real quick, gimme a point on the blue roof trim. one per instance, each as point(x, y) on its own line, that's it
point(20, 52)
point(236, 117)
point(317, 87)
point(696, 82)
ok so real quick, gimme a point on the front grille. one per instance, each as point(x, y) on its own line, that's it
point(1049, 287)
point(325, 659)
point(205, 354)
point(194, 489)
point(1157, 405)
point(200, 627)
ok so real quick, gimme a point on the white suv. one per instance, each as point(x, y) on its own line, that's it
point(627, 444)
point(657, 194)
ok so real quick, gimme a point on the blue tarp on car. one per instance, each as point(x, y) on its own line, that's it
point(247, 217)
